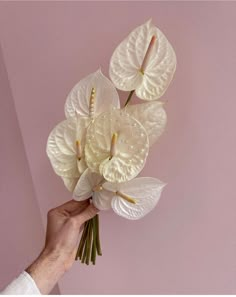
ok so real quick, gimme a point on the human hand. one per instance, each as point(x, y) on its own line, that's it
point(62, 238)
point(63, 227)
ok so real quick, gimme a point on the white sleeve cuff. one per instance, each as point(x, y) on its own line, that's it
point(22, 285)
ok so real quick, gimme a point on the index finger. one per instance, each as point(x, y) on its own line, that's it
point(73, 205)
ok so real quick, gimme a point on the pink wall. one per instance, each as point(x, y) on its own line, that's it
point(187, 245)
point(21, 227)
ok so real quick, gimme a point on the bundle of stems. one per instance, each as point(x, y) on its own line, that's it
point(89, 246)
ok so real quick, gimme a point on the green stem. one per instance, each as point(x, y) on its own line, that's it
point(98, 244)
point(82, 242)
point(94, 252)
point(89, 241)
point(89, 245)
point(129, 98)
point(85, 250)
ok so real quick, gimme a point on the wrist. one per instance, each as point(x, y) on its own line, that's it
point(54, 258)
point(61, 258)
point(46, 270)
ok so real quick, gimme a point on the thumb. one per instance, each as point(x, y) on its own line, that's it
point(87, 214)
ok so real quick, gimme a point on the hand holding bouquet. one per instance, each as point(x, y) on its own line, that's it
point(101, 148)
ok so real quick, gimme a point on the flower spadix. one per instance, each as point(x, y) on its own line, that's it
point(116, 146)
point(65, 149)
point(151, 115)
point(144, 61)
point(132, 199)
point(91, 96)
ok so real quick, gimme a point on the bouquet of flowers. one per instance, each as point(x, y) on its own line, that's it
point(101, 147)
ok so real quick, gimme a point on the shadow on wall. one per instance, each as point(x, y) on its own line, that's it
point(21, 228)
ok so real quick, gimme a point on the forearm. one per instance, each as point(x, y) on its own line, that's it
point(46, 270)
point(64, 224)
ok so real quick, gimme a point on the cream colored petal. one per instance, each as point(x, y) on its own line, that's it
point(93, 158)
point(85, 185)
point(128, 57)
point(131, 148)
point(152, 116)
point(82, 165)
point(70, 183)
point(146, 192)
point(102, 199)
point(61, 146)
point(83, 189)
point(78, 100)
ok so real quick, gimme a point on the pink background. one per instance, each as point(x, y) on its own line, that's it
point(187, 244)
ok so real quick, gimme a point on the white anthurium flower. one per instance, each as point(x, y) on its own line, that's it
point(65, 149)
point(145, 62)
point(91, 96)
point(135, 198)
point(152, 116)
point(90, 185)
point(116, 146)
point(131, 200)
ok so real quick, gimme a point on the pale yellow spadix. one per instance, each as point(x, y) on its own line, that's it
point(113, 144)
point(92, 102)
point(147, 54)
point(125, 197)
point(78, 150)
